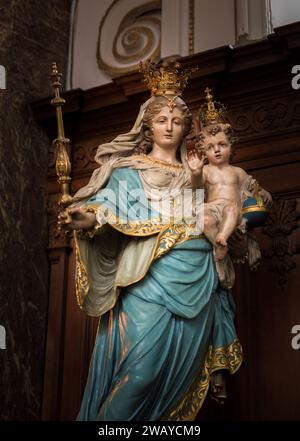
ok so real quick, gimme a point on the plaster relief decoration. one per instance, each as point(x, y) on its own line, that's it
point(129, 32)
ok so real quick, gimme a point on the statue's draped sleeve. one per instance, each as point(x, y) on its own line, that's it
point(128, 237)
point(120, 249)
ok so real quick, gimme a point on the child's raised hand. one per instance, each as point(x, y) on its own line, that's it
point(195, 161)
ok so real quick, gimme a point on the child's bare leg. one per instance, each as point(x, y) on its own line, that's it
point(231, 213)
point(211, 232)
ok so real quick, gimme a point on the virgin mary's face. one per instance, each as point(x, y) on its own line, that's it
point(168, 128)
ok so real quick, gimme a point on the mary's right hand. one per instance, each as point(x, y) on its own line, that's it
point(76, 219)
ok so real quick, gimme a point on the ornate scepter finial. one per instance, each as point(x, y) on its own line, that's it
point(61, 144)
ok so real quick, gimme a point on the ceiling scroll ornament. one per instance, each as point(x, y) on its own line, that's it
point(129, 32)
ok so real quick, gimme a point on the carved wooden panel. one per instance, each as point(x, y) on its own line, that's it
point(283, 220)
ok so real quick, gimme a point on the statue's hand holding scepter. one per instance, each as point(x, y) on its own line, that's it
point(76, 219)
point(72, 218)
point(61, 145)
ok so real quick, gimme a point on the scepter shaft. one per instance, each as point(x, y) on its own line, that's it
point(61, 143)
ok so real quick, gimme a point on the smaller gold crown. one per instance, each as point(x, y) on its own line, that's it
point(167, 78)
point(212, 112)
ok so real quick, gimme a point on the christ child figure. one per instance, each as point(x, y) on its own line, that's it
point(211, 169)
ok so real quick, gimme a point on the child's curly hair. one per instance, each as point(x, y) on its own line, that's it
point(212, 130)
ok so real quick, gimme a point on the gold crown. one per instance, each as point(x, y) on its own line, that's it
point(167, 78)
point(212, 112)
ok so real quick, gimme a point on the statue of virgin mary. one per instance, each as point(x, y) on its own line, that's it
point(166, 326)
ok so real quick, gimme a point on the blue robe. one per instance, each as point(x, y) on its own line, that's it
point(156, 349)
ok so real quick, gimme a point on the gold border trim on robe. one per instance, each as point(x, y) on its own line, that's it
point(145, 227)
point(167, 237)
point(225, 357)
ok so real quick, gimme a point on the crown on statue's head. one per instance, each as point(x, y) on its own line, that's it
point(211, 112)
point(166, 78)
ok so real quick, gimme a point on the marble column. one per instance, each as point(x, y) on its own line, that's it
point(33, 33)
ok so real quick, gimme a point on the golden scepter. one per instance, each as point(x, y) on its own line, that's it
point(61, 144)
